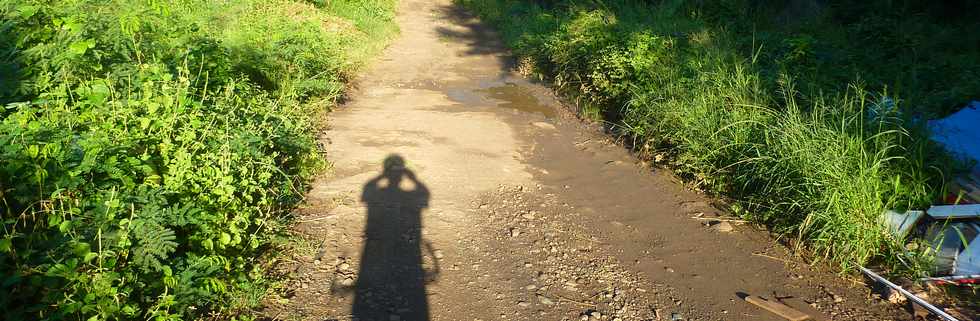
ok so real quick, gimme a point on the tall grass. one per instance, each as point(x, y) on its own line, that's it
point(812, 164)
point(150, 151)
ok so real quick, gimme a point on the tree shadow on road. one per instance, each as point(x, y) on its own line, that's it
point(480, 38)
point(392, 277)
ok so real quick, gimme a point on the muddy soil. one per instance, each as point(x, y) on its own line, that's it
point(461, 191)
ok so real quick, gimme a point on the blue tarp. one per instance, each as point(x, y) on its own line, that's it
point(959, 133)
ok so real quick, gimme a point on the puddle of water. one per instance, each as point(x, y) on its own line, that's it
point(520, 98)
point(465, 96)
point(503, 94)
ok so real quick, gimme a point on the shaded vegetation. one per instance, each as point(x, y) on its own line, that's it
point(789, 107)
point(150, 150)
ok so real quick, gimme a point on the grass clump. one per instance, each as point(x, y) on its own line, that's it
point(149, 150)
point(814, 152)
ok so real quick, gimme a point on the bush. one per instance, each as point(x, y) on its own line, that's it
point(819, 165)
point(150, 150)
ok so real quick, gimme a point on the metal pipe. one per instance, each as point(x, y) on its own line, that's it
point(942, 314)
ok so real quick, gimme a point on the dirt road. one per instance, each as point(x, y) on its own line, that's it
point(461, 191)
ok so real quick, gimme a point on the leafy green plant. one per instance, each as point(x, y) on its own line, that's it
point(149, 150)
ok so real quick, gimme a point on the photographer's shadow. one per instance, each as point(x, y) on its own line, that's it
point(392, 278)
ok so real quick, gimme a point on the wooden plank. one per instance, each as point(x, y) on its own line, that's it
point(778, 308)
point(803, 306)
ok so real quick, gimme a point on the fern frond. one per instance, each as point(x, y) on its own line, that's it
point(154, 243)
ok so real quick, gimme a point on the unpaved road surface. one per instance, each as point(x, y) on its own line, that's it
point(461, 191)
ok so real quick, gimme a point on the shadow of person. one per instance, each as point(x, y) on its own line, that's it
point(391, 281)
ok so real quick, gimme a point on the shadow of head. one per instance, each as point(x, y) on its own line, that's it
point(394, 170)
point(394, 164)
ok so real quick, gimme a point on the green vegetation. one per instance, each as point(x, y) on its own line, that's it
point(791, 112)
point(150, 150)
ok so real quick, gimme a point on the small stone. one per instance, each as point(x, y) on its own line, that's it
point(347, 282)
point(596, 315)
point(724, 227)
point(343, 266)
point(543, 125)
point(676, 316)
point(438, 254)
point(514, 232)
point(895, 297)
point(545, 300)
point(523, 304)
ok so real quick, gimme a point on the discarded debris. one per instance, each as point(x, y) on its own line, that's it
point(917, 300)
point(957, 279)
point(954, 211)
point(957, 250)
point(779, 309)
point(900, 224)
point(953, 231)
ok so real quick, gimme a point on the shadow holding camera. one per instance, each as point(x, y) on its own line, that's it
point(392, 276)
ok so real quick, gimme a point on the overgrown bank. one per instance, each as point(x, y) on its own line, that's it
point(150, 150)
point(791, 122)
